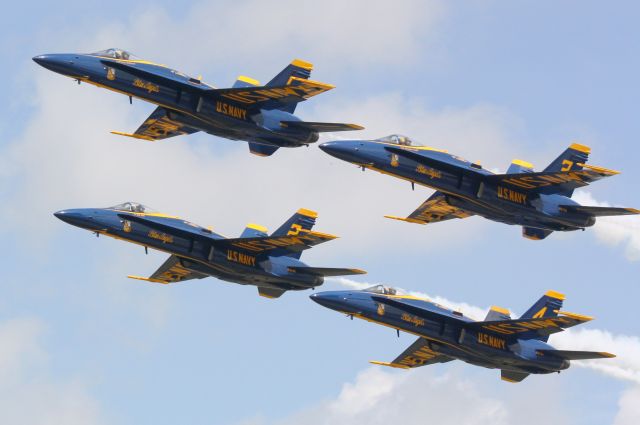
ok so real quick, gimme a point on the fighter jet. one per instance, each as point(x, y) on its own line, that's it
point(270, 262)
point(260, 115)
point(540, 202)
point(518, 347)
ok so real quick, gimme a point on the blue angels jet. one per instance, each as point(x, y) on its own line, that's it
point(270, 262)
point(260, 115)
point(518, 347)
point(540, 202)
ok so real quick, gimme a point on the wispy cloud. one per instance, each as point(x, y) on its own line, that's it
point(614, 231)
point(27, 393)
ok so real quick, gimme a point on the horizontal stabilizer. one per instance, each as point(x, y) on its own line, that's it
point(510, 376)
point(326, 271)
point(598, 211)
point(576, 355)
point(262, 150)
point(270, 292)
point(320, 126)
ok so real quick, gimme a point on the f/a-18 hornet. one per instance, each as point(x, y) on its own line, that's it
point(540, 202)
point(270, 262)
point(518, 347)
point(260, 115)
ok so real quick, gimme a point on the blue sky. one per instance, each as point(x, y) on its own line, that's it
point(490, 81)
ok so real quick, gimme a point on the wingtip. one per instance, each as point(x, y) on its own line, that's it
point(407, 219)
point(135, 136)
point(396, 365)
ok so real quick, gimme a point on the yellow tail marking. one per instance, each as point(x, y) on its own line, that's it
point(554, 294)
point(302, 64)
point(580, 148)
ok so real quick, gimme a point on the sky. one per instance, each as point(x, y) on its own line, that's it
point(488, 80)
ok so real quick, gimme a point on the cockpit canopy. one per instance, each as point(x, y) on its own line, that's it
point(116, 54)
point(132, 207)
point(381, 289)
point(398, 139)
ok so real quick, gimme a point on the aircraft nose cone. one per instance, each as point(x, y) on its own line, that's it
point(75, 217)
point(344, 150)
point(334, 300)
point(60, 63)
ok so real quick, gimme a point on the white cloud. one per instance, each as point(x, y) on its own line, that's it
point(629, 407)
point(379, 396)
point(335, 34)
point(614, 231)
point(27, 394)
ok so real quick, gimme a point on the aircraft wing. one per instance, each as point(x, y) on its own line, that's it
point(433, 210)
point(159, 126)
point(531, 328)
point(418, 354)
point(277, 245)
point(169, 272)
point(272, 97)
point(553, 182)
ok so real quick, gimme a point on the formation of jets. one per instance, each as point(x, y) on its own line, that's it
point(263, 116)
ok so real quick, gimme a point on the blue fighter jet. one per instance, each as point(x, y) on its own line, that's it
point(270, 262)
point(260, 115)
point(540, 202)
point(518, 347)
